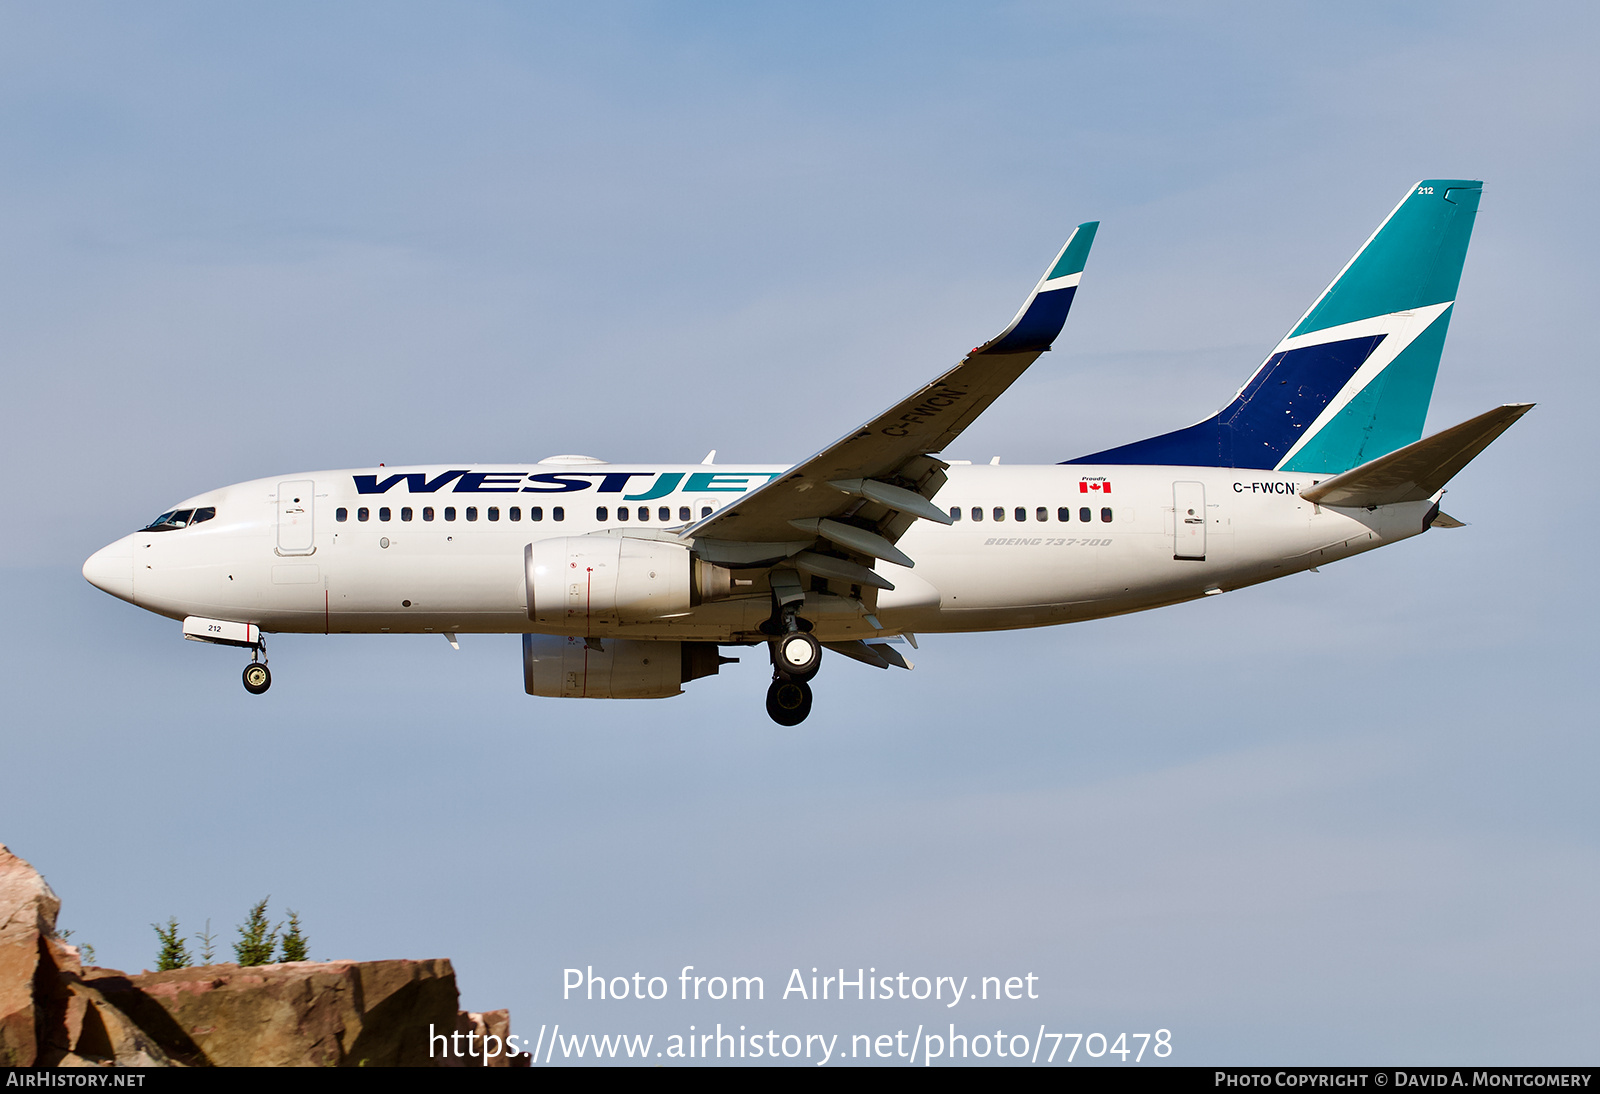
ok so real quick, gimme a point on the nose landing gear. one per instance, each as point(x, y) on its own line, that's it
point(257, 677)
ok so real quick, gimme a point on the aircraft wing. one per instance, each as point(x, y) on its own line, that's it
point(863, 491)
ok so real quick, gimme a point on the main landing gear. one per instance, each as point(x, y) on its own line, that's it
point(796, 657)
point(788, 701)
point(257, 677)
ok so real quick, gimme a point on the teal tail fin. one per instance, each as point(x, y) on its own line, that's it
point(1353, 379)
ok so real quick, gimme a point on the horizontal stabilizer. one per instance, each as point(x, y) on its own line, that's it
point(1419, 470)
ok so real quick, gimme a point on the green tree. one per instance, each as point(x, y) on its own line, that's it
point(208, 945)
point(174, 954)
point(257, 939)
point(294, 942)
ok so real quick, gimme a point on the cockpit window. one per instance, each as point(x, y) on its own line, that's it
point(169, 522)
point(180, 518)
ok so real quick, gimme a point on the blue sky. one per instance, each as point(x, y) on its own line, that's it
point(1342, 818)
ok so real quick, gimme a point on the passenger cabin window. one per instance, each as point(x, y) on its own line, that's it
point(999, 512)
point(516, 513)
point(536, 512)
point(1064, 514)
point(363, 513)
point(427, 512)
point(1021, 514)
point(683, 513)
point(977, 512)
point(601, 513)
point(1105, 515)
point(1041, 514)
point(705, 510)
point(341, 514)
point(622, 512)
point(406, 513)
point(494, 512)
point(472, 512)
point(1085, 514)
point(664, 514)
point(644, 512)
point(449, 512)
point(558, 513)
point(955, 512)
point(383, 514)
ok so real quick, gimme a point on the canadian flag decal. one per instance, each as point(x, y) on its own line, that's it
point(1094, 486)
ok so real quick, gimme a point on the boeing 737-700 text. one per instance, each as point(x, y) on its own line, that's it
point(624, 581)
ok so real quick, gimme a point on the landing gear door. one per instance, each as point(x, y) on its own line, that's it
point(1189, 521)
point(296, 502)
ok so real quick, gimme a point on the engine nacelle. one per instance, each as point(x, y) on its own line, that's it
point(577, 584)
point(615, 668)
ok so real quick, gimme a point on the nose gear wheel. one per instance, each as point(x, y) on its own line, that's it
point(257, 677)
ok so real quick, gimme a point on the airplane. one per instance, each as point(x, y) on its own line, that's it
point(633, 589)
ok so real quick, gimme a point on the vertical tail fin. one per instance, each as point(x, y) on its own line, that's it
point(1353, 379)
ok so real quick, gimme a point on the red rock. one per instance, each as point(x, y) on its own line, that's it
point(31, 957)
point(494, 1023)
point(306, 1013)
point(96, 1034)
point(54, 1012)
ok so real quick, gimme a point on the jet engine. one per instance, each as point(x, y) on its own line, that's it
point(613, 668)
point(579, 583)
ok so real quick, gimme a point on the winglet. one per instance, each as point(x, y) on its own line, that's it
point(1044, 313)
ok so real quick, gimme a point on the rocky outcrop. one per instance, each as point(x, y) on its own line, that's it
point(32, 960)
point(304, 1013)
point(94, 1033)
point(54, 1012)
point(494, 1023)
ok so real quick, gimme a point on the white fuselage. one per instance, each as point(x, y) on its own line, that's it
point(450, 557)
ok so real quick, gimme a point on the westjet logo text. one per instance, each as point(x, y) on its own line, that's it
point(648, 484)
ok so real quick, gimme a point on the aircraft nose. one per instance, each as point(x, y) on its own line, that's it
point(110, 569)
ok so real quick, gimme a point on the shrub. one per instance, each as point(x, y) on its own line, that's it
point(294, 943)
point(208, 945)
point(174, 954)
point(257, 940)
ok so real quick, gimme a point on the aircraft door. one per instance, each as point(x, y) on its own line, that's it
point(296, 503)
point(1189, 521)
